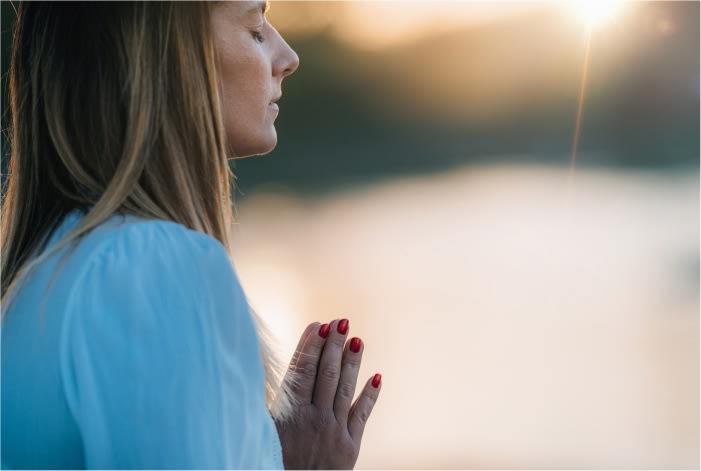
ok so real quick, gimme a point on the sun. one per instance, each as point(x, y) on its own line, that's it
point(596, 12)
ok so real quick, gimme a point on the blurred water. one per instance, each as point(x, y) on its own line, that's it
point(518, 321)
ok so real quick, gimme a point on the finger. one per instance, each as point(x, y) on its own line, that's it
point(360, 412)
point(289, 374)
point(301, 376)
point(330, 365)
point(300, 344)
point(352, 356)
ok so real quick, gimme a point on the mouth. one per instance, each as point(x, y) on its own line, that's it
point(273, 103)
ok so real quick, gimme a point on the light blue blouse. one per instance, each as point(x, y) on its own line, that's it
point(134, 349)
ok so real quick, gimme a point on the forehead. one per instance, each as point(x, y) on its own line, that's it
point(243, 9)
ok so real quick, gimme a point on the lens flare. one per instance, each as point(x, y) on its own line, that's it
point(596, 12)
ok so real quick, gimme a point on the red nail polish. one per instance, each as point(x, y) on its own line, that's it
point(376, 380)
point(342, 327)
point(355, 345)
point(324, 330)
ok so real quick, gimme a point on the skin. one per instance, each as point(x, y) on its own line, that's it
point(253, 61)
point(327, 426)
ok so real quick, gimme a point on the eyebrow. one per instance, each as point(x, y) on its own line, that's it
point(262, 7)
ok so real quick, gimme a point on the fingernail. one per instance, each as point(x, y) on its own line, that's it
point(342, 327)
point(355, 344)
point(324, 330)
point(376, 380)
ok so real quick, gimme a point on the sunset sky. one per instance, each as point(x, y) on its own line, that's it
point(521, 319)
point(378, 24)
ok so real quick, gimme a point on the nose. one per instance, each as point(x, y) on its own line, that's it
point(293, 61)
point(287, 59)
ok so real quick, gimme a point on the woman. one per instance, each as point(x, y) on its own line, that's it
point(127, 341)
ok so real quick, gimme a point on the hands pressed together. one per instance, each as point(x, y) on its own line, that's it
point(327, 426)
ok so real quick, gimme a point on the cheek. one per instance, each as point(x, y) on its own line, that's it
point(245, 89)
point(248, 121)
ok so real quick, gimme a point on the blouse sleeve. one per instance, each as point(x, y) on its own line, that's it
point(160, 357)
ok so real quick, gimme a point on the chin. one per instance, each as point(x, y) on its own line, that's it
point(261, 146)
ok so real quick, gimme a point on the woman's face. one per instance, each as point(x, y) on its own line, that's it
point(253, 60)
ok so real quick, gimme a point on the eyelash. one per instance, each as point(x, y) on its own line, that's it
point(258, 36)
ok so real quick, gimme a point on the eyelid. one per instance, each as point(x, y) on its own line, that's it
point(258, 34)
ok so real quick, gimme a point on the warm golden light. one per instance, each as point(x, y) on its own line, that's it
point(595, 12)
point(505, 301)
point(374, 25)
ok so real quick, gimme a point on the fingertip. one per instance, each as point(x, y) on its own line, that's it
point(363, 406)
point(324, 330)
point(333, 323)
point(355, 344)
point(311, 327)
point(342, 327)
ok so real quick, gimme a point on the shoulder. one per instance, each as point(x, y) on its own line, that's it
point(137, 247)
point(141, 242)
point(157, 283)
point(158, 339)
point(130, 264)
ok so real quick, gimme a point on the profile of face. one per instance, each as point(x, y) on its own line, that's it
point(253, 61)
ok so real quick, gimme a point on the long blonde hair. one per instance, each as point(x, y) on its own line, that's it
point(115, 108)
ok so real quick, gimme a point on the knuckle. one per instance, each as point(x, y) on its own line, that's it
point(337, 341)
point(351, 364)
point(345, 391)
point(330, 371)
point(363, 412)
point(307, 369)
point(363, 416)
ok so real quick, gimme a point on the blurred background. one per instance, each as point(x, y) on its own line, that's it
point(526, 309)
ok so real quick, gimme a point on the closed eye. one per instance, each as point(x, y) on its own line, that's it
point(257, 36)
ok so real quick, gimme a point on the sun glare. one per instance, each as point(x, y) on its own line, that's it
point(596, 12)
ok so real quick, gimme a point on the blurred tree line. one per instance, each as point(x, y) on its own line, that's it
point(503, 92)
